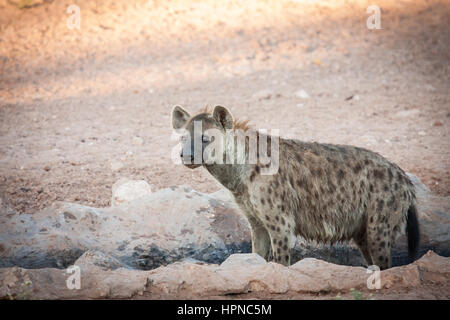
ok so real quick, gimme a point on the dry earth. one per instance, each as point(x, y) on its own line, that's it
point(81, 108)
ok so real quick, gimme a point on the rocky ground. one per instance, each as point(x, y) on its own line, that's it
point(181, 243)
point(83, 108)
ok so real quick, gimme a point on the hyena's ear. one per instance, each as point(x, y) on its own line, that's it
point(179, 117)
point(224, 117)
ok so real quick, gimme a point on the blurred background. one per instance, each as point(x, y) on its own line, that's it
point(82, 107)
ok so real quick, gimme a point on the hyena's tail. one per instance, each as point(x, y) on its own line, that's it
point(412, 231)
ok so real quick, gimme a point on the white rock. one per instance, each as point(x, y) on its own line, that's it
point(127, 190)
point(263, 95)
point(116, 165)
point(302, 94)
point(138, 141)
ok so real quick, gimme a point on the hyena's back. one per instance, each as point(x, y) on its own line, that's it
point(335, 193)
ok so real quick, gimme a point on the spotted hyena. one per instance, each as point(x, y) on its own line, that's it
point(322, 192)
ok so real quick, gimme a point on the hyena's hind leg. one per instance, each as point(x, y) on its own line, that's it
point(260, 238)
point(379, 238)
point(281, 237)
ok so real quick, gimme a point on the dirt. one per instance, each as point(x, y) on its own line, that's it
point(81, 108)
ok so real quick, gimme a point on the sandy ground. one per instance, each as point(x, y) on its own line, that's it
point(81, 108)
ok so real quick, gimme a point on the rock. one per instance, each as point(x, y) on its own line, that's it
point(116, 165)
point(243, 259)
point(99, 259)
point(144, 233)
point(145, 230)
point(138, 141)
point(243, 277)
point(263, 95)
point(302, 94)
point(126, 190)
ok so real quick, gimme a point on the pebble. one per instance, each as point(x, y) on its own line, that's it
point(302, 94)
point(138, 141)
point(262, 95)
point(116, 165)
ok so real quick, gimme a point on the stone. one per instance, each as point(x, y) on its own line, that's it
point(246, 277)
point(263, 95)
point(302, 94)
point(126, 190)
point(144, 233)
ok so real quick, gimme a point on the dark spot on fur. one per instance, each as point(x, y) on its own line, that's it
point(299, 159)
point(262, 201)
point(285, 247)
point(380, 205)
point(385, 187)
point(390, 175)
point(357, 168)
point(371, 219)
point(378, 174)
point(282, 221)
point(391, 203)
point(361, 185)
point(341, 174)
point(267, 218)
point(371, 187)
point(382, 243)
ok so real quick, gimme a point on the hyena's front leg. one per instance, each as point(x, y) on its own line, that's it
point(260, 238)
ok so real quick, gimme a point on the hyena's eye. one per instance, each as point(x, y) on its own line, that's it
point(206, 138)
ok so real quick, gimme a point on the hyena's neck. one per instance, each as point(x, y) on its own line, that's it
point(247, 157)
point(229, 175)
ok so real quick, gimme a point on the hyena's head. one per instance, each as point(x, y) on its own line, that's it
point(203, 136)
